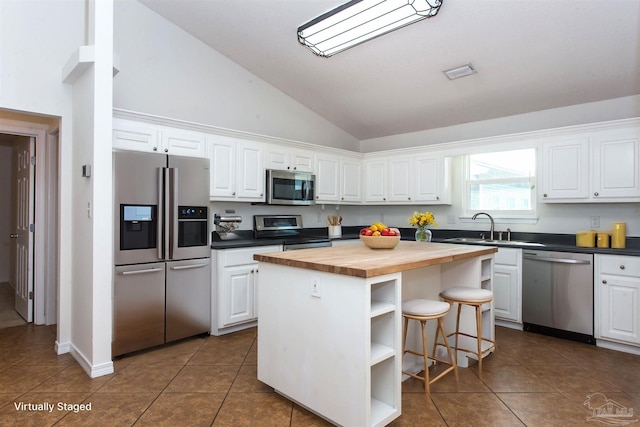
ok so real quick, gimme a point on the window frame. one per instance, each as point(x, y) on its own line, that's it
point(527, 216)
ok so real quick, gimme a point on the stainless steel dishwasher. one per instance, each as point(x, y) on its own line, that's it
point(557, 294)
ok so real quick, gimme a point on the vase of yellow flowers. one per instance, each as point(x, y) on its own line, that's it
point(422, 220)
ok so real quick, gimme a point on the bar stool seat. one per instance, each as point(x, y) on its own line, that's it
point(424, 310)
point(473, 297)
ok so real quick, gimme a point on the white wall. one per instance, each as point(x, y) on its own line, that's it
point(37, 37)
point(593, 112)
point(167, 72)
point(5, 212)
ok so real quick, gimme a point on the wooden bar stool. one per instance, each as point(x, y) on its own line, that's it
point(424, 310)
point(474, 297)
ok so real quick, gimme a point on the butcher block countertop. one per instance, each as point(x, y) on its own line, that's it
point(361, 261)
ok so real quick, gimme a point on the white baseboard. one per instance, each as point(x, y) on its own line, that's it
point(611, 345)
point(507, 324)
point(93, 371)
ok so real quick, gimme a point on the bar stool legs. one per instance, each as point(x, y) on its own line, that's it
point(473, 297)
point(423, 311)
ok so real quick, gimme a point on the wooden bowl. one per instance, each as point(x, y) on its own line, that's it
point(380, 242)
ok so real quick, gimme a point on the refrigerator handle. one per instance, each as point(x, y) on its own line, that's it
point(168, 203)
point(172, 215)
point(160, 228)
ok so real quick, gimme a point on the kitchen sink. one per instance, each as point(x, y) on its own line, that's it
point(477, 240)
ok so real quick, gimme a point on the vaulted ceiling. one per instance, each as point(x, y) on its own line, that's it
point(530, 55)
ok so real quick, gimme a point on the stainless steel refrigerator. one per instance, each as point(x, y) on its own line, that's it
point(162, 274)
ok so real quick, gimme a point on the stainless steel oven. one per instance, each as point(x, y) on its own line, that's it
point(290, 188)
point(288, 229)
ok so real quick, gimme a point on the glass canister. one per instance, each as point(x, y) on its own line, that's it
point(618, 235)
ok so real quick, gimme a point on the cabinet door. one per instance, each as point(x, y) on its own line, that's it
point(303, 160)
point(375, 181)
point(222, 155)
point(128, 135)
point(619, 308)
point(350, 181)
point(238, 295)
point(401, 179)
point(505, 292)
point(183, 143)
point(565, 168)
point(327, 179)
point(250, 172)
point(616, 164)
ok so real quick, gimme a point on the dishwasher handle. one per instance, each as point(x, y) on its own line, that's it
point(557, 260)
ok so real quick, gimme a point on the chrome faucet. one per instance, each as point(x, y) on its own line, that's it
point(490, 219)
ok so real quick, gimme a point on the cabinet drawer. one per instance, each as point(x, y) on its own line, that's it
point(620, 265)
point(507, 256)
point(242, 256)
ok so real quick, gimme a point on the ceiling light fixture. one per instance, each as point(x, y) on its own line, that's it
point(357, 21)
point(461, 71)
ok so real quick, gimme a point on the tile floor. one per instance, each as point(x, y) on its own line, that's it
point(8, 315)
point(530, 380)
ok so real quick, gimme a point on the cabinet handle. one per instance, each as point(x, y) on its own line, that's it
point(341, 198)
point(166, 150)
point(437, 197)
point(595, 194)
point(604, 282)
point(408, 198)
point(155, 148)
point(544, 195)
point(234, 193)
point(622, 267)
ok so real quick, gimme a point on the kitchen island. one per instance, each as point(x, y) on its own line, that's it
point(330, 322)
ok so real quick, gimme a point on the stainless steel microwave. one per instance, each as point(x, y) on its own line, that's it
point(290, 188)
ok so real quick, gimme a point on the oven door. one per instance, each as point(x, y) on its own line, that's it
point(290, 188)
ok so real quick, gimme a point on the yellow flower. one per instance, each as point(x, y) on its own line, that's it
point(422, 219)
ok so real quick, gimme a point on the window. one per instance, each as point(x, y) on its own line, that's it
point(501, 183)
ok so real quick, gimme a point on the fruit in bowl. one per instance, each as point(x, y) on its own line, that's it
point(379, 236)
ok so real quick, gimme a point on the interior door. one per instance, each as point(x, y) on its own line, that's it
point(23, 152)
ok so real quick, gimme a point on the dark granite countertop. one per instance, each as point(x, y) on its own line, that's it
point(550, 241)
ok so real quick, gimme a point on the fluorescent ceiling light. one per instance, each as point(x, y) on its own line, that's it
point(360, 20)
point(462, 71)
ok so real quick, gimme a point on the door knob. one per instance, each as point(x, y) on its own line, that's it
point(13, 236)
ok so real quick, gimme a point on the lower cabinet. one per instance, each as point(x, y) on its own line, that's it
point(235, 288)
point(617, 293)
point(507, 285)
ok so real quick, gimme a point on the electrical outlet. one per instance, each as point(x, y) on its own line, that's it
point(316, 288)
point(595, 222)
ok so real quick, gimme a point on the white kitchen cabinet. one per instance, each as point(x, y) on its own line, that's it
point(375, 180)
point(617, 291)
point(599, 166)
point(616, 164)
point(350, 180)
point(234, 288)
point(432, 179)
point(338, 179)
point(237, 169)
point(287, 158)
point(401, 179)
point(408, 180)
point(139, 136)
point(327, 178)
point(507, 285)
point(564, 165)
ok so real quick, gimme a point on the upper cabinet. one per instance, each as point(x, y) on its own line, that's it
point(291, 159)
point(338, 179)
point(598, 166)
point(138, 136)
point(408, 180)
point(237, 169)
